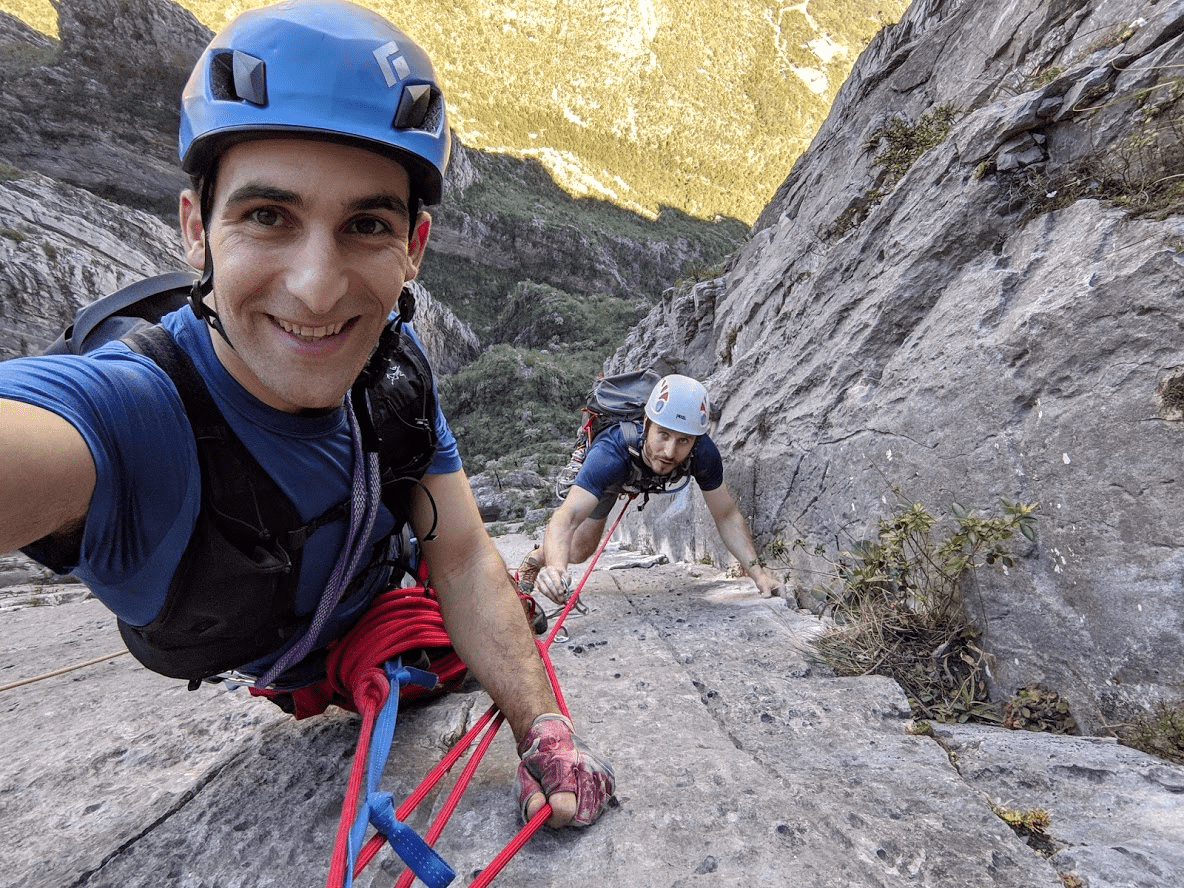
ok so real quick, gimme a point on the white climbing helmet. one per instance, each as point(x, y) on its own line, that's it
point(680, 404)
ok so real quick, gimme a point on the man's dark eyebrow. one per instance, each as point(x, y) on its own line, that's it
point(255, 191)
point(391, 202)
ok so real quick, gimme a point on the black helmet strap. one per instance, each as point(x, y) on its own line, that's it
point(205, 284)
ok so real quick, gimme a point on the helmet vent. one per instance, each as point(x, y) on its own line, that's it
point(238, 77)
point(420, 108)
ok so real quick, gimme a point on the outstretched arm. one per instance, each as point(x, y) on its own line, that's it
point(553, 579)
point(47, 474)
point(733, 530)
point(484, 619)
point(481, 610)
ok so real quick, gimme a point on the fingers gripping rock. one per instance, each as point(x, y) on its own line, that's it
point(554, 759)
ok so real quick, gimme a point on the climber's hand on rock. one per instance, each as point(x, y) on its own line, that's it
point(557, 767)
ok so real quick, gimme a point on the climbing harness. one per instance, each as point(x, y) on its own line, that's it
point(375, 692)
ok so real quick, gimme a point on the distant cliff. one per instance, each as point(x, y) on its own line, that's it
point(969, 288)
point(700, 106)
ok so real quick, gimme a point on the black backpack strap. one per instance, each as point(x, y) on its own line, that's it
point(123, 311)
point(156, 343)
point(232, 597)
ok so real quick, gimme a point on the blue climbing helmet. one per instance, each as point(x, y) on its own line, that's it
point(318, 68)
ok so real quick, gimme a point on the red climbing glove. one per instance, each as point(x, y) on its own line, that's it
point(554, 759)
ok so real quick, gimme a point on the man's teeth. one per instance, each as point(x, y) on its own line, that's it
point(310, 334)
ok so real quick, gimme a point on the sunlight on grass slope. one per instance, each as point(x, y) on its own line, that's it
point(701, 106)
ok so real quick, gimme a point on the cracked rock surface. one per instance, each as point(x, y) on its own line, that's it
point(739, 763)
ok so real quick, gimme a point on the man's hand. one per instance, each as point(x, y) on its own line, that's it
point(766, 582)
point(554, 583)
point(557, 767)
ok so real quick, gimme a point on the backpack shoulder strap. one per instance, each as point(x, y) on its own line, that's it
point(117, 314)
point(155, 342)
point(631, 432)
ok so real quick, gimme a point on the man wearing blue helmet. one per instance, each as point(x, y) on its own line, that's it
point(670, 444)
point(314, 132)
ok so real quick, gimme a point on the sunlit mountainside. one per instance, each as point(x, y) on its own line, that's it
point(701, 105)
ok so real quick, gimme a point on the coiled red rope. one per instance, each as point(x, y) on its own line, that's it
point(399, 621)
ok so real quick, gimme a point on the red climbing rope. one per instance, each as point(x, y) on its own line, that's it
point(400, 621)
point(397, 621)
point(515, 845)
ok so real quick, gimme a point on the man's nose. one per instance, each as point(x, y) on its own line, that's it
point(318, 276)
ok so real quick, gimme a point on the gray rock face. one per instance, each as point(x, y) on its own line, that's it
point(503, 496)
point(61, 247)
point(102, 112)
point(1142, 793)
point(958, 341)
point(738, 763)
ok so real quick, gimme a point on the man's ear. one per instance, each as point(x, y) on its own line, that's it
point(419, 241)
point(193, 232)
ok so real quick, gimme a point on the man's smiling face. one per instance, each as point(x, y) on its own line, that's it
point(311, 244)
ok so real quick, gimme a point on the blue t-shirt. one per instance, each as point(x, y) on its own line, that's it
point(148, 488)
point(607, 467)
